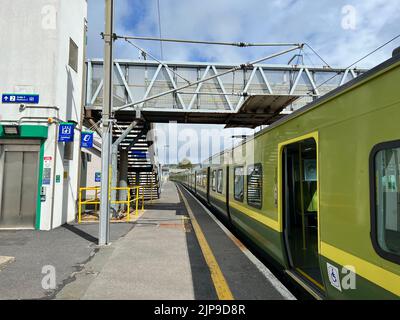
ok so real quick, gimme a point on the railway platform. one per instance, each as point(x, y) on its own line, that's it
point(176, 250)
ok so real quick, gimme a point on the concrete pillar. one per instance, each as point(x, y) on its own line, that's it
point(137, 179)
point(123, 174)
point(114, 175)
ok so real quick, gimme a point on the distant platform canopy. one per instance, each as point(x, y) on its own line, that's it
point(244, 98)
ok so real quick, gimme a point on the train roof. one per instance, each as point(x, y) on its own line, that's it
point(325, 98)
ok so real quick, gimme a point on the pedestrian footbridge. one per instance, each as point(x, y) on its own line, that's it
point(177, 91)
point(146, 92)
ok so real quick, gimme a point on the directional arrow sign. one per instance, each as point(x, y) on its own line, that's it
point(20, 98)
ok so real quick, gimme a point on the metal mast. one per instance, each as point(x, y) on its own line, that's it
point(104, 225)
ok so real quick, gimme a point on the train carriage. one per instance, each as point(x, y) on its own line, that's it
point(318, 191)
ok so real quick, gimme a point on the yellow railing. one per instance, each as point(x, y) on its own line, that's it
point(150, 188)
point(96, 200)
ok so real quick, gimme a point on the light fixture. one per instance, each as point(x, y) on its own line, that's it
point(11, 130)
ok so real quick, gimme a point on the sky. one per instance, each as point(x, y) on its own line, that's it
point(324, 24)
point(341, 31)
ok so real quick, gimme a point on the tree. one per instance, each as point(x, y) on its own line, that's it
point(185, 164)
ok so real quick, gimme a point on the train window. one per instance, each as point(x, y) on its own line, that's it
point(254, 186)
point(239, 184)
point(219, 181)
point(204, 181)
point(213, 180)
point(385, 200)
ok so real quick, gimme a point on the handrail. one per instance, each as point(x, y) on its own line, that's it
point(127, 202)
point(149, 187)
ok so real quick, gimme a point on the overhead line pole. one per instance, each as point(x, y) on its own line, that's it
point(104, 225)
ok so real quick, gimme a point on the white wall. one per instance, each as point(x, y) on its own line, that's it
point(69, 95)
point(34, 58)
point(88, 175)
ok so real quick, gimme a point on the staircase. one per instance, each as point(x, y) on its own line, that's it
point(142, 165)
point(150, 183)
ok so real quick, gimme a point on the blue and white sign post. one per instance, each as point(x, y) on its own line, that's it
point(66, 132)
point(20, 98)
point(87, 140)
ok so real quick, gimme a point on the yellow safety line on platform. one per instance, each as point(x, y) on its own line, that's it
point(219, 281)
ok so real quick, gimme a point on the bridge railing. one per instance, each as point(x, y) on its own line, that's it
point(138, 80)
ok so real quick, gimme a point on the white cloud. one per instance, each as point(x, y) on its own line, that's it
point(315, 22)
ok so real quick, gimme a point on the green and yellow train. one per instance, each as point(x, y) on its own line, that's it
point(318, 191)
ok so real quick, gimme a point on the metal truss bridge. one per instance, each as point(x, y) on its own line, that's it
point(248, 97)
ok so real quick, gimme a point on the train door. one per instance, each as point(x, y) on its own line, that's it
point(300, 209)
point(19, 167)
point(196, 179)
point(227, 194)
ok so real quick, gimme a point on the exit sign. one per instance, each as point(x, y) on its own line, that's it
point(20, 98)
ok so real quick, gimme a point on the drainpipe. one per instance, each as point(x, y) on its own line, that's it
point(84, 78)
point(53, 179)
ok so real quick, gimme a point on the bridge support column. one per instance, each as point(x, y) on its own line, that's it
point(114, 175)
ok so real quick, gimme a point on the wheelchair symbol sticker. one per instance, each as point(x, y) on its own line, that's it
point(334, 278)
point(66, 130)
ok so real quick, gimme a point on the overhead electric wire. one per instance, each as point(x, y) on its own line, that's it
point(354, 63)
point(159, 29)
point(160, 62)
point(318, 55)
point(307, 56)
point(377, 49)
point(236, 44)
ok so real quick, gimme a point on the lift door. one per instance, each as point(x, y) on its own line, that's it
point(19, 173)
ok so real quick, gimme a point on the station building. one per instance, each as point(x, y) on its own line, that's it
point(41, 85)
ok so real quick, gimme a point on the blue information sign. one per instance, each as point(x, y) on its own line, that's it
point(20, 98)
point(97, 177)
point(66, 132)
point(87, 140)
point(139, 154)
